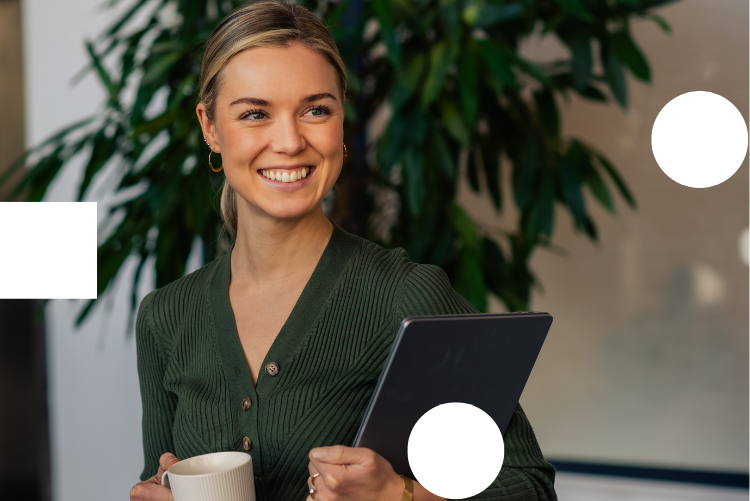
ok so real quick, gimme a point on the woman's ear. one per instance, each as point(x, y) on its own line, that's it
point(209, 129)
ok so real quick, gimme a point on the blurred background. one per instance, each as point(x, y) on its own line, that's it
point(641, 389)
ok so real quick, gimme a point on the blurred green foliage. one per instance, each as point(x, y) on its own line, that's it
point(456, 85)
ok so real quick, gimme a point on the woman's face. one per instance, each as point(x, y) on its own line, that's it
point(278, 114)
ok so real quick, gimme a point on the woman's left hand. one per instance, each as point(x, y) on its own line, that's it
point(352, 474)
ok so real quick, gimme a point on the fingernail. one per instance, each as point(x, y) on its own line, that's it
point(317, 454)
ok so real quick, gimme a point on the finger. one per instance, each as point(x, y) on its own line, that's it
point(319, 480)
point(329, 476)
point(144, 491)
point(166, 460)
point(314, 483)
point(156, 479)
point(310, 496)
point(339, 454)
point(311, 468)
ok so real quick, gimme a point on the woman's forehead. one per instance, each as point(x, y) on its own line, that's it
point(277, 74)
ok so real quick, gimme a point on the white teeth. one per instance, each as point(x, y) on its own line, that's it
point(287, 177)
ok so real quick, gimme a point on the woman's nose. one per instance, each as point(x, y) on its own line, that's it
point(287, 137)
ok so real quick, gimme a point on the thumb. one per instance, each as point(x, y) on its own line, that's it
point(337, 454)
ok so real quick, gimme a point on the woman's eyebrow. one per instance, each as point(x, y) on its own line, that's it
point(262, 102)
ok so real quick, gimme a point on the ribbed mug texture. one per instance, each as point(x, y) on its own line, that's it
point(234, 484)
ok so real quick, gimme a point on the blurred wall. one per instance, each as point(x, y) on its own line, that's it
point(647, 358)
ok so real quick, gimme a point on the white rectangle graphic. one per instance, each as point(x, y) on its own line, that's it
point(48, 250)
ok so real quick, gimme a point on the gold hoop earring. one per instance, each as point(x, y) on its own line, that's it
point(345, 154)
point(211, 166)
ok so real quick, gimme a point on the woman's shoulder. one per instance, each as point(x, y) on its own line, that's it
point(377, 261)
point(167, 304)
point(373, 258)
point(410, 288)
point(394, 265)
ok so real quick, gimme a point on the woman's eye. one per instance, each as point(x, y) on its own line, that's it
point(319, 111)
point(254, 115)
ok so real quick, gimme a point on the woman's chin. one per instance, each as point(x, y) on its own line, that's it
point(288, 211)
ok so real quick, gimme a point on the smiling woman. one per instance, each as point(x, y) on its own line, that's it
point(275, 347)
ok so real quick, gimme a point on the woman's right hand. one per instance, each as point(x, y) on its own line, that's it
point(151, 489)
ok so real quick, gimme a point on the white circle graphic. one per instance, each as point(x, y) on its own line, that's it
point(455, 450)
point(699, 139)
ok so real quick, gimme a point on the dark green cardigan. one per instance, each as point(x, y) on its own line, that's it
point(194, 375)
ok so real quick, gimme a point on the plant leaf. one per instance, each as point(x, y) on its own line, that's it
point(469, 281)
point(103, 150)
point(598, 188)
point(157, 68)
point(612, 172)
point(407, 83)
point(468, 81)
point(490, 14)
point(440, 152)
point(628, 52)
point(442, 246)
point(577, 9)
point(496, 61)
point(413, 167)
point(571, 191)
point(450, 21)
point(591, 92)
point(542, 214)
point(454, 122)
point(523, 170)
point(491, 163)
point(661, 22)
point(615, 77)
point(440, 59)
point(104, 77)
point(494, 264)
point(548, 114)
point(582, 60)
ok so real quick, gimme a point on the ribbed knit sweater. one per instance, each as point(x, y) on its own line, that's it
point(194, 375)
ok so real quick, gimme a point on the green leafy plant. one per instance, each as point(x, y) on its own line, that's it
point(448, 74)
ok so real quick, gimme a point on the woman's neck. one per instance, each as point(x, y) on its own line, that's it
point(269, 251)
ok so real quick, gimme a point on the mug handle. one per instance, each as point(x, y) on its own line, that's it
point(165, 479)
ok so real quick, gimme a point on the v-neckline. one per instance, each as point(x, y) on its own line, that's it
point(337, 252)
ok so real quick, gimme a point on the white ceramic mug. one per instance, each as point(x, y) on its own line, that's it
point(219, 476)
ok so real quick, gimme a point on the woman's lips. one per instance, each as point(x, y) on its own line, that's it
point(290, 186)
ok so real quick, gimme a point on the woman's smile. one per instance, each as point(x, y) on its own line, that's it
point(287, 179)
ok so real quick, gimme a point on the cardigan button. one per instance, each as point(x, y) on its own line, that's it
point(246, 403)
point(272, 368)
point(247, 443)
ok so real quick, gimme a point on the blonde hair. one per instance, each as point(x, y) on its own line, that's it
point(263, 23)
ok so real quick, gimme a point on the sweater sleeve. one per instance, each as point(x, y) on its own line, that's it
point(157, 403)
point(525, 474)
